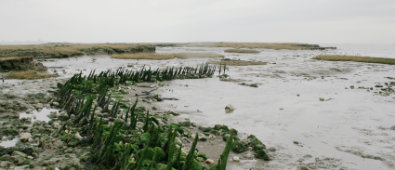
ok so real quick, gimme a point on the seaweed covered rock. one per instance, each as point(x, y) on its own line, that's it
point(71, 139)
point(258, 147)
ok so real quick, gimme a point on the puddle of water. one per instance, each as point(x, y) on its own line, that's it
point(41, 115)
point(9, 143)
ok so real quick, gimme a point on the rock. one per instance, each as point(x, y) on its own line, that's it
point(200, 159)
point(78, 136)
point(25, 137)
point(229, 108)
point(173, 113)
point(303, 168)
point(392, 127)
point(271, 149)
point(56, 104)
point(19, 154)
point(378, 86)
point(5, 164)
point(236, 159)
point(210, 161)
point(205, 129)
point(69, 150)
point(39, 106)
point(202, 137)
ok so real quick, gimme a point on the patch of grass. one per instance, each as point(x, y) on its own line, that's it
point(237, 62)
point(276, 46)
point(13, 58)
point(356, 59)
point(63, 50)
point(155, 56)
point(29, 74)
point(236, 50)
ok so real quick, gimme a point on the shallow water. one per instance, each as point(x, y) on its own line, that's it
point(41, 115)
point(298, 100)
point(9, 143)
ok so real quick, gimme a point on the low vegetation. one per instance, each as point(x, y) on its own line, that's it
point(237, 62)
point(16, 63)
point(237, 50)
point(29, 74)
point(276, 46)
point(356, 59)
point(63, 50)
point(132, 138)
point(156, 56)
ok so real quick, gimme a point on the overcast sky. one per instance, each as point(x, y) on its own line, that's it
point(310, 21)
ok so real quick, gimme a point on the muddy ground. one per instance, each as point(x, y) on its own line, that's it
point(311, 114)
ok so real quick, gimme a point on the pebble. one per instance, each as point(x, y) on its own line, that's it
point(202, 137)
point(78, 136)
point(210, 161)
point(229, 108)
point(271, 149)
point(39, 106)
point(25, 137)
point(236, 159)
point(55, 104)
point(200, 159)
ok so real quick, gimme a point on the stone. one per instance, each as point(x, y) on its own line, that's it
point(200, 159)
point(202, 137)
point(173, 113)
point(236, 159)
point(39, 106)
point(229, 108)
point(56, 104)
point(271, 149)
point(25, 137)
point(78, 136)
point(210, 161)
point(19, 154)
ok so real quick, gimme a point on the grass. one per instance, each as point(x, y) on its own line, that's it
point(13, 58)
point(356, 59)
point(155, 56)
point(29, 74)
point(117, 143)
point(276, 46)
point(236, 50)
point(62, 50)
point(237, 62)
